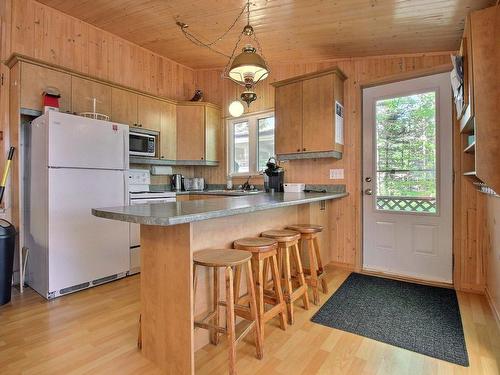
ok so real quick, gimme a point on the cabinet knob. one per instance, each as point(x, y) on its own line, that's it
point(162, 157)
point(202, 158)
point(298, 150)
point(304, 149)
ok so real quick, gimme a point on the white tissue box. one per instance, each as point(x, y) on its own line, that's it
point(294, 188)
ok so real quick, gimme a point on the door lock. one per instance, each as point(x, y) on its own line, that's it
point(368, 192)
point(368, 179)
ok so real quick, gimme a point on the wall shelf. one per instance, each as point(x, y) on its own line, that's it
point(470, 149)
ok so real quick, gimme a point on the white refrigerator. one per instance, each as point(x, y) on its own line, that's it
point(74, 164)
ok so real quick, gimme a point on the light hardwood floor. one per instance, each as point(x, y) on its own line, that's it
point(95, 332)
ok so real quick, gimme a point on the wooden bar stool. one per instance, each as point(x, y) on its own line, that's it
point(227, 259)
point(316, 272)
point(265, 249)
point(288, 245)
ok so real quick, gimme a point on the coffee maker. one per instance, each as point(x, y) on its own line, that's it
point(274, 176)
point(176, 182)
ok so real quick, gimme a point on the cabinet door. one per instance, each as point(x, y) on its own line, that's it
point(35, 79)
point(317, 115)
point(123, 107)
point(190, 132)
point(82, 93)
point(288, 114)
point(149, 112)
point(168, 132)
point(212, 133)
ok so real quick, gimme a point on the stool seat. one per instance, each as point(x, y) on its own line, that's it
point(256, 244)
point(221, 257)
point(282, 235)
point(306, 228)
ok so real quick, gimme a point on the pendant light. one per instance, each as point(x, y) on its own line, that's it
point(236, 108)
point(247, 68)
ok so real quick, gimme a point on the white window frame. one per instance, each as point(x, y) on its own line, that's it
point(253, 134)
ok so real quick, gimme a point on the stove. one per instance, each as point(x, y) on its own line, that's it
point(138, 191)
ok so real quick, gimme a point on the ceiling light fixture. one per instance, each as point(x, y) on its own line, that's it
point(247, 68)
point(236, 108)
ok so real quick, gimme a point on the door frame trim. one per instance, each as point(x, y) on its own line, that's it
point(404, 76)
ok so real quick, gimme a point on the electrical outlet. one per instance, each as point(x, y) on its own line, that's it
point(336, 174)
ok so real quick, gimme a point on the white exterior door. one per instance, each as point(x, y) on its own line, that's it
point(407, 178)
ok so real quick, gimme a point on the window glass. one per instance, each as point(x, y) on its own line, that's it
point(241, 144)
point(266, 141)
point(406, 153)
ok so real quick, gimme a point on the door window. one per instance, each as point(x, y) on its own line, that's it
point(405, 147)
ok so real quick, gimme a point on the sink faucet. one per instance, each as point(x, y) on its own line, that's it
point(246, 185)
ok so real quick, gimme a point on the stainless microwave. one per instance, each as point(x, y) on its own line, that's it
point(143, 143)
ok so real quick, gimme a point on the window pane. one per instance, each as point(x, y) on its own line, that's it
point(406, 153)
point(266, 141)
point(241, 150)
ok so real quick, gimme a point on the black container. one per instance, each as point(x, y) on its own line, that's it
point(7, 246)
point(274, 176)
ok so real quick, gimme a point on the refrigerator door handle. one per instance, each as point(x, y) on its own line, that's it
point(125, 150)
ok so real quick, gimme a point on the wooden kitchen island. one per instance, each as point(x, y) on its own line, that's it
point(172, 232)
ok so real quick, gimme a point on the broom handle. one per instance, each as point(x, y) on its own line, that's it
point(6, 172)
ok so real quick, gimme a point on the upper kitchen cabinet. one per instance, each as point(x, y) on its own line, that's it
point(123, 106)
point(136, 110)
point(149, 112)
point(198, 131)
point(83, 93)
point(35, 79)
point(309, 115)
point(288, 109)
point(168, 131)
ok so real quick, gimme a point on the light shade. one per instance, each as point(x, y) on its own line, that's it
point(248, 67)
point(236, 108)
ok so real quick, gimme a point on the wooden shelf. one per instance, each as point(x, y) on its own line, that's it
point(470, 149)
point(468, 127)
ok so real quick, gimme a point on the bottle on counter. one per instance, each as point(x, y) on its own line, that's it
point(229, 182)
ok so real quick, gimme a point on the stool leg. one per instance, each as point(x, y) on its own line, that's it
point(266, 265)
point(139, 336)
point(237, 283)
point(214, 335)
point(277, 290)
point(258, 266)
point(324, 284)
point(231, 335)
point(254, 312)
point(195, 284)
point(314, 273)
point(300, 275)
point(288, 284)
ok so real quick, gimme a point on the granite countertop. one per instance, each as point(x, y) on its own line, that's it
point(189, 211)
point(220, 192)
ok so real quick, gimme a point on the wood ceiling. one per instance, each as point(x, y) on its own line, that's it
point(289, 30)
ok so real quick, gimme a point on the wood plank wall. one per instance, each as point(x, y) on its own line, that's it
point(345, 214)
point(43, 33)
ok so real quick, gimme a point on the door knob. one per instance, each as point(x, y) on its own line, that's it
point(368, 192)
point(368, 179)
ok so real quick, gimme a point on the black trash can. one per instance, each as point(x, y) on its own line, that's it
point(7, 246)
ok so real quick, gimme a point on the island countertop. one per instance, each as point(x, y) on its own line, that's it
point(174, 213)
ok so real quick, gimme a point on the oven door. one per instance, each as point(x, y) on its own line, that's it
point(142, 144)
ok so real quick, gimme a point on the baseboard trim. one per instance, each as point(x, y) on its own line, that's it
point(344, 266)
point(407, 278)
point(496, 313)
